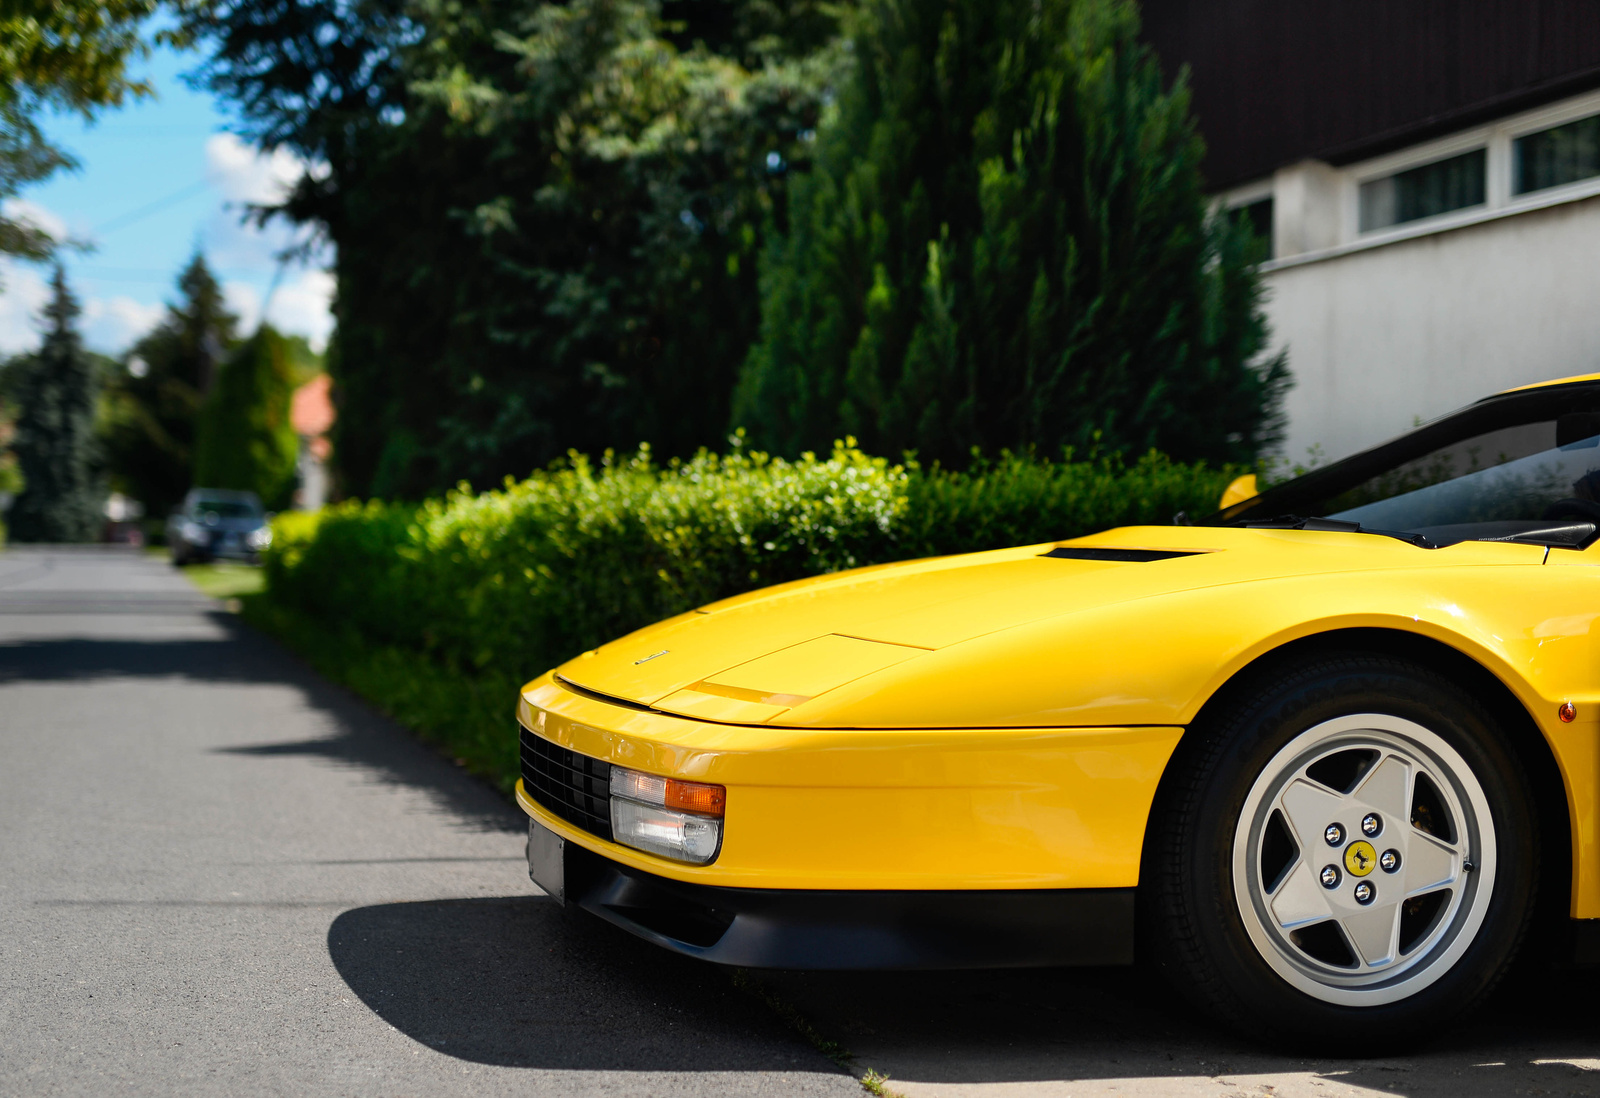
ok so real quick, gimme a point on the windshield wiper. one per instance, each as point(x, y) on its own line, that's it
point(1296, 522)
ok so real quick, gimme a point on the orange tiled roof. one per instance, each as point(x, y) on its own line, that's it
point(311, 409)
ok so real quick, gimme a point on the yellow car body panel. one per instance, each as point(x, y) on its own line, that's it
point(1555, 381)
point(1239, 490)
point(1002, 719)
point(887, 809)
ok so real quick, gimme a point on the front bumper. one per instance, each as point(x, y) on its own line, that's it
point(857, 928)
point(867, 810)
point(223, 545)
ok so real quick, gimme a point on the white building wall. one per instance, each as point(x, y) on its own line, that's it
point(312, 494)
point(1381, 336)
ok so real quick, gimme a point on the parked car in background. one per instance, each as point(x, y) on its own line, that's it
point(213, 523)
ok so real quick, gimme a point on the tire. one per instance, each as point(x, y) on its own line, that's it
point(1361, 941)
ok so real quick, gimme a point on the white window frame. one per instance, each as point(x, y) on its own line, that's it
point(1415, 157)
point(1247, 195)
point(1495, 138)
point(1548, 118)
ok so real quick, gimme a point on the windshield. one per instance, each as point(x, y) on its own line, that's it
point(1511, 488)
point(226, 508)
point(1521, 467)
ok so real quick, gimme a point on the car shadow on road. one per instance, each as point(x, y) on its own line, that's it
point(518, 981)
point(1539, 1035)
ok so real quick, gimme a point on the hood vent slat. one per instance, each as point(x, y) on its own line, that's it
point(1126, 556)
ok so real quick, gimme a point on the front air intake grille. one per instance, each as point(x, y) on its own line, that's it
point(573, 786)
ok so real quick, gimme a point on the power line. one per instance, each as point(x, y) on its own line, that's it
point(160, 274)
point(143, 211)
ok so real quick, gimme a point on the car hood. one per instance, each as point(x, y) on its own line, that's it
point(754, 658)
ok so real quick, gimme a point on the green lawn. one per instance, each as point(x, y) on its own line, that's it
point(225, 579)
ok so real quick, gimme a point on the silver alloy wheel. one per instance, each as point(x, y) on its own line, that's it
point(1364, 860)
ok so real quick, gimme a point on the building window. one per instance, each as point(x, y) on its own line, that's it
point(1552, 157)
point(1259, 216)
point(1427, 191)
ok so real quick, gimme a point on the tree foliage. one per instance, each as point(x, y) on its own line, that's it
point(153, 403)
point(58, 55)
point(970, 223)
point(546, 215)
point(244, 440)
point(1006, 243)
point(56, 388)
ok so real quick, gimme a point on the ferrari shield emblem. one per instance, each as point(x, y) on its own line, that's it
point(1360, 859)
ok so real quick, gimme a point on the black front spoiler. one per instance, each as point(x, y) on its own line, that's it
point(850, 929)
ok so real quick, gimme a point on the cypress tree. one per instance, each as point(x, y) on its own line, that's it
point(56, 388)
point(1006, 243)
point(245, 440)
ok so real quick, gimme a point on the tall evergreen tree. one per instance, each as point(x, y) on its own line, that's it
point(547, 215)
point(153, 404)
point(245, 440)
point(56, 388)
point(1005, 243)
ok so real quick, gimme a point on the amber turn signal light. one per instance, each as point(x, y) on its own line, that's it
point(675, 793)
point(708, 800)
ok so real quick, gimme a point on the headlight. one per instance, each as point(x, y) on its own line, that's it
point(259, 538)
point(194, 533)
point(665, 816)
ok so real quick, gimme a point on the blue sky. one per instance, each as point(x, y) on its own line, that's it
point(158, 179)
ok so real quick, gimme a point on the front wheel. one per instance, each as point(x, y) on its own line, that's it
point(1347, 860)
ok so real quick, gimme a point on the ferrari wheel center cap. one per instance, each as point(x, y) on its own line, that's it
point(1360, 858)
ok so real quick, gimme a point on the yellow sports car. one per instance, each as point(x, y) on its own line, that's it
point(1324, 758)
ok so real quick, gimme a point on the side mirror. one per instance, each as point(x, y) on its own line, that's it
point(1241, 489)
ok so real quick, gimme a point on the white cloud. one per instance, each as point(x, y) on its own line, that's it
point(301, 306)
point(108, 325)
point(23, 294)
point(111, 324)
point(21, 209)
point(245, 174)
point(243, 301)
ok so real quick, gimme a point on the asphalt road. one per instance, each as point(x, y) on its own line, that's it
point(220, 875)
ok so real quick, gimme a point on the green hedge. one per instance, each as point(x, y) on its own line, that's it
point(499, 586)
